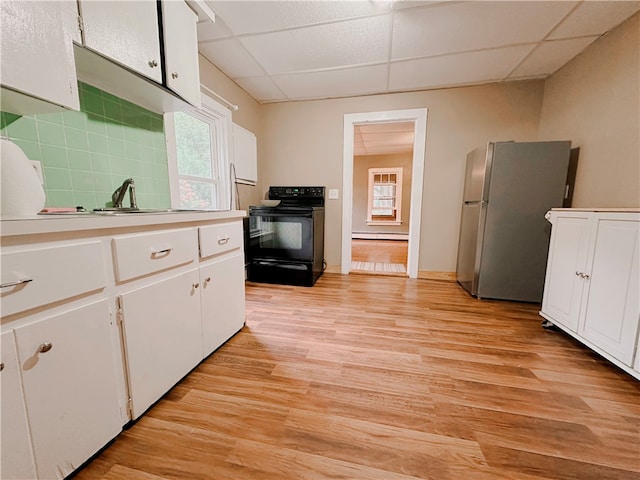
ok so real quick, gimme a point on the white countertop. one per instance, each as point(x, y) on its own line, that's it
point(596, 209)
point(44, 224)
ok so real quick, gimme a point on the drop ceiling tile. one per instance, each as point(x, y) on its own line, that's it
point(595, 18)
point(322, 46)
point(334, 83)
point(231, 57)
point(261, 88)
point(388, 138)
point(550, 56)
point(386, 127)
point(212, 31)
point(458, 69)
point(246, 17)
point(465, 26)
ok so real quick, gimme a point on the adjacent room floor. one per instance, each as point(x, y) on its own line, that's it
point(378, 377)
point(386, 257)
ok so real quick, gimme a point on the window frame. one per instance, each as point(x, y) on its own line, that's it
point(214, 114)
point(397, 218)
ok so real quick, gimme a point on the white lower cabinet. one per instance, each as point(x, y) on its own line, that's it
point(162, 336)
point(592, 286)
point(222, 300)
point(96, 328)
point(17, 456)
point(69, 381)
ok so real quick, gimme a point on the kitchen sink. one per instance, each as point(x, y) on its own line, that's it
point(130, 211)
point(125, 211)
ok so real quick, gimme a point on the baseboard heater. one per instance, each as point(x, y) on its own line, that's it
point(379, 236)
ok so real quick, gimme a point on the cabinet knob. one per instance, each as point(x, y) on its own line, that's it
point(174, 75)
point(153, 63)
point(45, 347)
point(207, 280)
point(1, 366)
point(195, 285)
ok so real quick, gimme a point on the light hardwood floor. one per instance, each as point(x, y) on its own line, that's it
point(386, 257)
point(376, 377)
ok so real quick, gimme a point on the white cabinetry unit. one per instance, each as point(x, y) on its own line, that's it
point(34, 41)
point(101, 316)
point(69, 386)
point(592, 287)
point(222, 280)
point(163, 339)
point(17, 456)
point(245, 155)
point(124, 53)
point(179, 24)
point(125, 32)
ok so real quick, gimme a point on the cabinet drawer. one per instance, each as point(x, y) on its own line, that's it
point(31, 278)
point(216, 239)
point(141, 254)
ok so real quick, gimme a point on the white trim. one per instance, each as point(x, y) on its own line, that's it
point(209, 109)
point(419, 117)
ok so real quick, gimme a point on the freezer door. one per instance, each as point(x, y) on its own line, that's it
point(475, 174)
point(468, 246)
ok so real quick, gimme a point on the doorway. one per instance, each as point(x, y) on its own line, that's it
point(354, 122)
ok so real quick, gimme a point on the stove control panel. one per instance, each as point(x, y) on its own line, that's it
point(280, 193)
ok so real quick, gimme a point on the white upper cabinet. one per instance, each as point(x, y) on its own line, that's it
point(125, 32)
point(181, 50)
point(37, 68)
point(245, 155)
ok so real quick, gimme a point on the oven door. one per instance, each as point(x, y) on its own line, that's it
point(281, 234)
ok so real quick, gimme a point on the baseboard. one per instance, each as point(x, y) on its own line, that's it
point(380, 236)
point(446, 276)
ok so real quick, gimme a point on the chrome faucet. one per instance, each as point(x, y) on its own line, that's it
point(121, 191)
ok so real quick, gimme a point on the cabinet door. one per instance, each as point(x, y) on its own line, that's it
point(163, 336)
point(182, 70)
point(567, 259)
point(222, 299)
point(70, 390)
point(17, 457)
point(612, 296)
point(126, 32)
point(34, 41)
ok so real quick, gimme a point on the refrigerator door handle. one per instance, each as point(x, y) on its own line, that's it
point(474, 202)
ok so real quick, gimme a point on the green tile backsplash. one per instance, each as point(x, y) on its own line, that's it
point(86, 155)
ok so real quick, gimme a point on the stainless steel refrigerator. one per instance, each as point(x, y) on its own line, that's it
point(504, 236)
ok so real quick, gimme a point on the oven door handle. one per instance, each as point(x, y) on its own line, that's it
point(282, 215)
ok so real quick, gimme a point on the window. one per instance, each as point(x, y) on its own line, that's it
point(197, 149)
point(385, 196)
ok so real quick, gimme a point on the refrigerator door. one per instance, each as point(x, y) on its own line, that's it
point(472, 218)
point(526, 181)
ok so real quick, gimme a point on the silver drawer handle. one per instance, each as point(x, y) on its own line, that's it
point(223, 240)
point(164, 252)
point(16, 283)
point(45, 347)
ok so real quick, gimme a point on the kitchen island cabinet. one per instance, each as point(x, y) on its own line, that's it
point(592, 286)
point(93, 357)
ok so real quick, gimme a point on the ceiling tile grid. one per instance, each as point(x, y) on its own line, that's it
point(298, 50)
